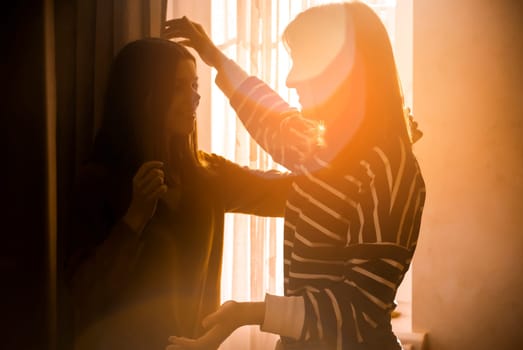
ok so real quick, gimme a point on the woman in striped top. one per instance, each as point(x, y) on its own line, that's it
point(353, 215)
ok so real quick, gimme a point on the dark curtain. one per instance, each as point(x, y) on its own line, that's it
point(23, 312)
point(88, 34)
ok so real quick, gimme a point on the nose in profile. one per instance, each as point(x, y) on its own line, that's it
point(291, 80)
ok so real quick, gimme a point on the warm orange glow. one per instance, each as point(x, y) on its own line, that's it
point(265, 56)
point(252, 266)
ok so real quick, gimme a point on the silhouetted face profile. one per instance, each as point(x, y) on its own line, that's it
point(182, 111)
point(321, 47)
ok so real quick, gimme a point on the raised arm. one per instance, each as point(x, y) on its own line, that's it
point(277, 128)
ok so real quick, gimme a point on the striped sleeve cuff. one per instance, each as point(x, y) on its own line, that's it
point(284, 315)
point(230, 76)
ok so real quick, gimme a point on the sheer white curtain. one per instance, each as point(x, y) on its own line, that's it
point(249, 32)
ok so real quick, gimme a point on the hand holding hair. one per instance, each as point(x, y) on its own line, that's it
point(148, 186)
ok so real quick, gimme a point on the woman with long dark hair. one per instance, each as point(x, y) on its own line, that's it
point(353, 214)
point(145, 244)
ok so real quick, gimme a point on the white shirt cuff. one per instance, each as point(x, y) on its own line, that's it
point(230, 76)
point(284, 315)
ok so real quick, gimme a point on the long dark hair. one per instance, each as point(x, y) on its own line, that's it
point(140, 89)
point(384, 118)
point(384, 100)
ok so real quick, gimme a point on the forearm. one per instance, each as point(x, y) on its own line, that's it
point(261, 193)
point(277, 127)
point(230, 75)
point(276, 314)
point(252, 313)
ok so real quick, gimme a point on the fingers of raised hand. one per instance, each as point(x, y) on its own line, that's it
point(157, 192)
point(146, 167)
point(154, 185)
point(199, 28)
point(181, 27)
point(151, 184)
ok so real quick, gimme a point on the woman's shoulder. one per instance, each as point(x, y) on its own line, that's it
point(215, 163)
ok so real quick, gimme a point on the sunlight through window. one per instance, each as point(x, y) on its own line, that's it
point(249, 32)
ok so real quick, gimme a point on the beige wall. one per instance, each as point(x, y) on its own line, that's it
point(468, 98)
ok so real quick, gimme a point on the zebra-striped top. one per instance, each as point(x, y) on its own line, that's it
point(350, 229)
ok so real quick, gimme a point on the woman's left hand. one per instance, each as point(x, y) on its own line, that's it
point(219, 325)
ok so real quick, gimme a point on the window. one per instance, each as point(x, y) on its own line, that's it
point(249, 32)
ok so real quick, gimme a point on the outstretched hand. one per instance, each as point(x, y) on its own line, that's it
point(219, 326)
point(193, 35)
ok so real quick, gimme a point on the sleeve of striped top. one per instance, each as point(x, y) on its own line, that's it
point(278, 128)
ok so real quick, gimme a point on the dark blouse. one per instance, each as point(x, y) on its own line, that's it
point(133, 291)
